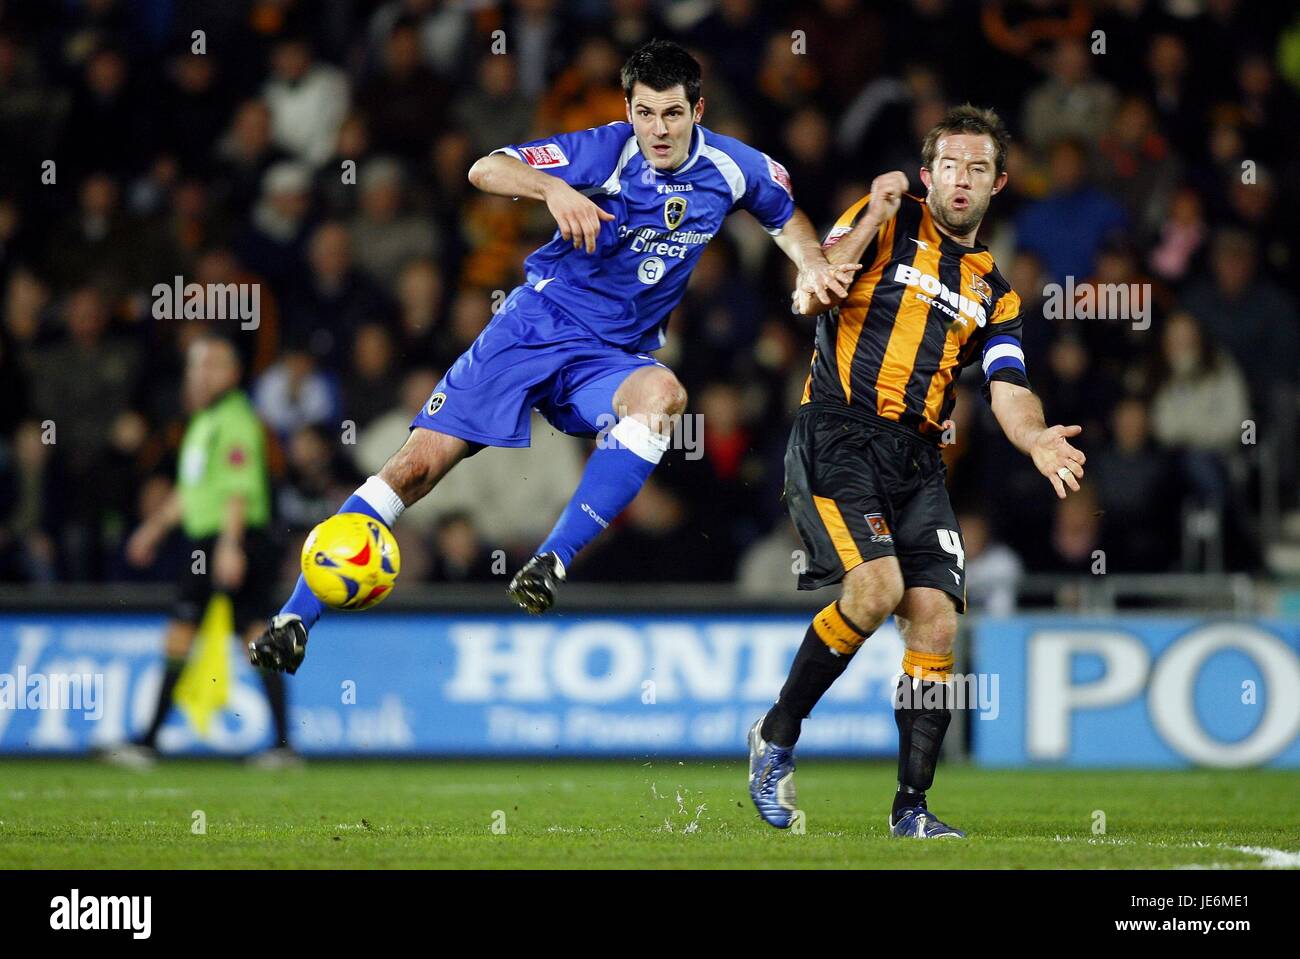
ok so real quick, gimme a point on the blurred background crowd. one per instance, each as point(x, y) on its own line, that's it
point(1169, 160)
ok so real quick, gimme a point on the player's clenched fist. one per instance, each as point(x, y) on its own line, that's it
point(886, 193)
point(577, 217)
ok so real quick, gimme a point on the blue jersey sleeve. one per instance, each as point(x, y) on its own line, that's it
point(584, 159)
point(769, 195)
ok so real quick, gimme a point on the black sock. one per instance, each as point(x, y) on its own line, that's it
point(171, 676)
point(816, 666)
point(922, 715)
point(273, 683)
point(905, 798)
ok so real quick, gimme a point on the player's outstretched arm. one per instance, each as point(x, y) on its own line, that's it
point(845, 252)
point(825, 283)
point(1020, 414)
point(577, 217)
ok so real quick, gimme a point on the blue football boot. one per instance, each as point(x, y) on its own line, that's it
point(918, 822)
point(771, 779)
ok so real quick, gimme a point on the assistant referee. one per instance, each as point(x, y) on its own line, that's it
point(222, 502)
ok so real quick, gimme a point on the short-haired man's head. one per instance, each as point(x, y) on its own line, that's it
point(212, 367)
point(972, 121)
point(662, 65)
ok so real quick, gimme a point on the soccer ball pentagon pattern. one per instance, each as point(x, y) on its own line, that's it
point(350, 561)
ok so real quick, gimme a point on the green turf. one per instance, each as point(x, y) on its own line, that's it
point(623, 815)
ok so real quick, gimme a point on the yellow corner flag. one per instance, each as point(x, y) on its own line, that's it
point(204, 686)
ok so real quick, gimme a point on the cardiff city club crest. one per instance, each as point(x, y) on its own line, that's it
point(674, 211)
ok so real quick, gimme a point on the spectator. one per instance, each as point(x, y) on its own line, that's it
point(273, 240)
point(326, 307)
point(194, 107)
point(1070, 103)
point(493, 113)
point(107, 124)
point(337, 191)
point(1179, 250)
point(1200, 407)
point(400, 114)
point(1075, 538)
point(1067, 227)
point(32, 492)
point(993, 570)
point(445, 31)
point(1241, 310)
point(294, 393)
point(79, 384)
point(385, 237)
point(1178, 106)
point(318, 480)
point(459, 554)
point(370, 388)
point(243, 155)
point(587, 94)
point(1137, 166)
point(770, 566)
point(419, 302)
point(94, 243)
point(1138, 490)
point(308, 100)
point(654, 541)
point(83, 380)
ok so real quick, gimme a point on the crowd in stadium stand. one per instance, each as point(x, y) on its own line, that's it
point(1169, 160)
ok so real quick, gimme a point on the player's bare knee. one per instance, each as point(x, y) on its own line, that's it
point(670, 398)
point(653, 396)
point(870, 596)
point(866, 612)
point(933, 630)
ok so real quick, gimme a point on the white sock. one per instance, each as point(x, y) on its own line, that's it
point(640, 439)
point(382, 499)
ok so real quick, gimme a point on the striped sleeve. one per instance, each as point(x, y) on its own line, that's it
point(1002, 357)
point(848, 219)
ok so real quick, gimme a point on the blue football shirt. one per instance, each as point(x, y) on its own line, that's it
point(624, 291)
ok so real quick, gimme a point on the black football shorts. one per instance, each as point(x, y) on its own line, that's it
point(858, 490)
point(253, 600)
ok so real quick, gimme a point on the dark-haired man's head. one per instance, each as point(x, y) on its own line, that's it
point(963, 163)
point(661, 83)
point(1067, 163)
point(212, 367)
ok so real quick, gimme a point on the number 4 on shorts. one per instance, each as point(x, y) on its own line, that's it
point(951, 543)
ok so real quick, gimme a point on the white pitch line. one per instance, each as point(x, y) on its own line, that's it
point(1271, 858)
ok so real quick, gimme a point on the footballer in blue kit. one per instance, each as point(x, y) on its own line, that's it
point(634, 203)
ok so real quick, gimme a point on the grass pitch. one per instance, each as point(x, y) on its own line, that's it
point(619, 815)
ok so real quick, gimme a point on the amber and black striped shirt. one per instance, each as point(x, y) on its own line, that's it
point(922, 308)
